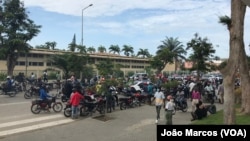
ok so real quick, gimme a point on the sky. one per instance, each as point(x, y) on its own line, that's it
point(138, 23)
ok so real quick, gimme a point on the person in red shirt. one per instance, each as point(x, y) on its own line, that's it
point(75, 99)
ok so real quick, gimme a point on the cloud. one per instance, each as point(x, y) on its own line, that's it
point(147, 22)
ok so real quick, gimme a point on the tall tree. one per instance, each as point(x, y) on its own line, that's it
point(127, 50)
point(72, 46)
point(203, 51)
point(175, 47)
point(16, 30)
point(237, 61)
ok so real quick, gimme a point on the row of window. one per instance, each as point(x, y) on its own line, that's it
point(34, 55)
point(23, 63)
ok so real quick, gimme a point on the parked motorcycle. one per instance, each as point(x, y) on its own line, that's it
point(129, 102)
point(39, 105)
point(88, 106)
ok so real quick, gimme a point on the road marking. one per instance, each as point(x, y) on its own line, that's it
point(16, 103)
point(7, 124)
point(34, 127)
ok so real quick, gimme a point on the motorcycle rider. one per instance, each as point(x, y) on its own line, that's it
point(8, 85)
point(44, 96)
point(179, 95)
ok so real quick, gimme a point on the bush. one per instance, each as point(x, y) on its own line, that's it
point(3, 76)
point(171, 84)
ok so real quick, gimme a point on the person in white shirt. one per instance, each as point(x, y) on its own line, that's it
point(169, 108)
point(191, 86)
point(159, 102)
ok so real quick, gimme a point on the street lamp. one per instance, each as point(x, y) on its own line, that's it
point(82, 20)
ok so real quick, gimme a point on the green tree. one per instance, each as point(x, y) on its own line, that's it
point(127, 50)
point(16, 30)
point(72, 46)
point(114, 49)
point(144, 53)
point(51, 45)
point(160, 60)
point(101, 49)
point(175, 47)
point(81, 49)
point(105, 67)
point(91, 50)
point(202, 52)
point(69, 63)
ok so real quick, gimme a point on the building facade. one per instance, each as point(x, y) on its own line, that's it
point(36, 61)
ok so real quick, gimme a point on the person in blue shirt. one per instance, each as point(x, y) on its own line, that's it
point(44, 96)
point(8, 85)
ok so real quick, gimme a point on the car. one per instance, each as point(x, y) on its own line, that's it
point(139, 86)
point(137, 76)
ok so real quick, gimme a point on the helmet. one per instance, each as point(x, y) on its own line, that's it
point(169, 97)
point(8, 77)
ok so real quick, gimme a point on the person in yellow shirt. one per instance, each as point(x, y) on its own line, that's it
point(98, 87)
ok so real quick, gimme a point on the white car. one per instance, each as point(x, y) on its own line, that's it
point(139, 85)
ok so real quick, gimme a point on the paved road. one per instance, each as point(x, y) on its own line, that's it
point(17, 123)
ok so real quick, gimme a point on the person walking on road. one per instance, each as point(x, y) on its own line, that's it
point(169, 108)
point(159, 102)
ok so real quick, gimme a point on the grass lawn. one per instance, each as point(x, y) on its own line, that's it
point(217, 119)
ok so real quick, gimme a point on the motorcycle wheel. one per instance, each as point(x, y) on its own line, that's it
point(35, 108)
point(67, 112)
point(101, 109)
point(184, 107)
point(13, 93)
point(123, 106)
point(27, 95)
point(57, 107)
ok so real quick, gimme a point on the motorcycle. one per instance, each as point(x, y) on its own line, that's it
point(12, 92)
point(209, 96)
point(88, 106)
point(180, 103)
point(39, 105)
point(31, 92)
point(129, 102)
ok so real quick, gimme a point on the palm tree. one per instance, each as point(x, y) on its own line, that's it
point(127, 50)
point(50, 45)
point(101, 49)
point(114, 49)
point(143, 52)
point(175, 47)
point(91, 50)
point(81, 49)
